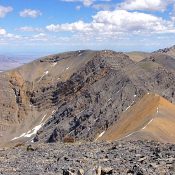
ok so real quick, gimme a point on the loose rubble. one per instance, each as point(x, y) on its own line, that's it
point(102, 158)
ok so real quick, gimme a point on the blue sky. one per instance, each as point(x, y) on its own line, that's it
point(51, 26)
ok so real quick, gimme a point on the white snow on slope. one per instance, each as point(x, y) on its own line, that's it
point(129, 134)
point(44, 74)
point(54, 64)
point(100, 135)
point(129, 106)
point(32, 131)
point(53, 111)
point(148, 123)
point(109, 99)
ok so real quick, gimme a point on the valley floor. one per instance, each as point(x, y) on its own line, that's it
point(123, 157)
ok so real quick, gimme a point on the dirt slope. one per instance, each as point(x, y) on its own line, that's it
point(152, 117)
point(138, 56)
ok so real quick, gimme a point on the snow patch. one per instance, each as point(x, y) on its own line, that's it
point(120, 90)
point(129, 106)
point(44, 74)
point(32, 131)
point(100, 135)
point(53, 111)
point(54, 64)
point(129, 135)
point(148, 123)
point(109, 99)
point(79, 53)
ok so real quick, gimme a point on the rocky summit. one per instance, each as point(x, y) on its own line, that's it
point(89, 112)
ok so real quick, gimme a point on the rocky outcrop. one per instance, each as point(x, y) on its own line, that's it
point(168, 51)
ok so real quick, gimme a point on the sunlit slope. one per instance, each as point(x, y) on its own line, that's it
point(138, 56)
point(152, 117)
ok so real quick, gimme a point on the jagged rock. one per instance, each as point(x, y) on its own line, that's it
point(30, 148)
point(136, 170)
point(107, 170)
point(68, 172)
point(142, 159)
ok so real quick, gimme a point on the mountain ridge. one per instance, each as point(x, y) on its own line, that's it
point(79, 94)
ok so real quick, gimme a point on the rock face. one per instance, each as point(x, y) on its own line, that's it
point(77, 95)
point(131, 157)
point(168, 51)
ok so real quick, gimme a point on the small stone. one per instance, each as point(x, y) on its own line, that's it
point(80, 172)
point(29, 148)
point(68, 172)
point(107, 170)
point(142, 159)
point(98, 170)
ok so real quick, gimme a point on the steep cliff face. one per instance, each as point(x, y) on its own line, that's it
point(76, 95)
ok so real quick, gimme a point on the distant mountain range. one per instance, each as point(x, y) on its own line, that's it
point(152, 117)
point(9, 61)
point(89, 96)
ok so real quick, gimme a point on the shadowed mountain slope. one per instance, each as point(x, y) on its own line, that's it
point(152, 117)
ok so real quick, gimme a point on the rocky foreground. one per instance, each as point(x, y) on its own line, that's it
point(132, 157)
